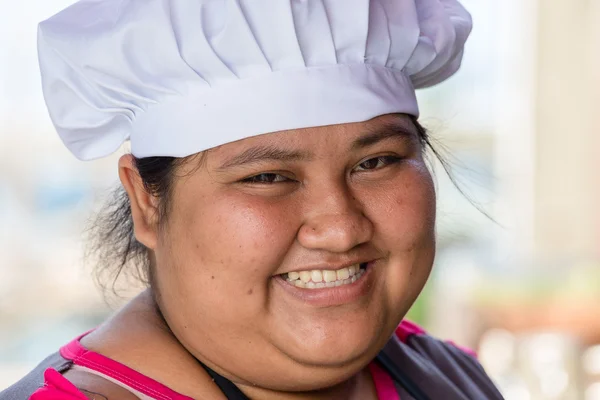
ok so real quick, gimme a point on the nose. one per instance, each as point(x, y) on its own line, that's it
point(335, 222)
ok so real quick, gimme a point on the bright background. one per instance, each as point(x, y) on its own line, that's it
point(520, 123)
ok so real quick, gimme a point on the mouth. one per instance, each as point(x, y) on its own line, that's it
point(326, 288)
point(320, 279)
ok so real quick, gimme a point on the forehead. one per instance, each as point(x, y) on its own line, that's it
point(315, 138)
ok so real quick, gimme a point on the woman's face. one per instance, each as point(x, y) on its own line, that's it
point(267, 209)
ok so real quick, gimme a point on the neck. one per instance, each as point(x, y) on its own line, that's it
point(359, 387)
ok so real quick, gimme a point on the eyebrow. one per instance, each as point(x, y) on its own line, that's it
point(388, 131)
point(264, 153)
point(270, 153)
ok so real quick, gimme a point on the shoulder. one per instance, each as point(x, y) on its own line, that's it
point(446, 355)
point(447, 367)
point(79, 385)
point(410, 333)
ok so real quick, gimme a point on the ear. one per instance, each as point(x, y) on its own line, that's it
point(144, 206)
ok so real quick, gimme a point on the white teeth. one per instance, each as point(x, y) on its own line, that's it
point(318, 279)
point(329, 276)
point(342, 274)
point(292, 276)
point(305, 276)
point(316, 275)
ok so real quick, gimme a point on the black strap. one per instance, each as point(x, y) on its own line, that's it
point(227, 387)
point(232, 392)
point(388, 364)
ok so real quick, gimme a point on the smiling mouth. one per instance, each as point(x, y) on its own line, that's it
point(319, 279)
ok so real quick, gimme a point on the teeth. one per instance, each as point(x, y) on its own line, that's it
point(316, 275)
point(329, 276)
point(318, 279)
point(305, 276)
point(292, 276)
point(343, 273)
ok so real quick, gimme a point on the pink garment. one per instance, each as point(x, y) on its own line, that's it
point(384, 385)
point(83, 357)
point(56, 387)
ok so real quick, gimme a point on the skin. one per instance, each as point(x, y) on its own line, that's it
point(231, 231)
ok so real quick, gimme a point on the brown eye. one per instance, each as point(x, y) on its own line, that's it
point(266, 178)
point(370, 164)
point(377, 163)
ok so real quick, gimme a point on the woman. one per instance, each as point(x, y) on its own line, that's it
point(276, 190)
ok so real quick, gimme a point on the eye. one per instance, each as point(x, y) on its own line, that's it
point(377, 163)
point(266, 178)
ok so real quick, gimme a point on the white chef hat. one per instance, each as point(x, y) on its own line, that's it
point(176, 77)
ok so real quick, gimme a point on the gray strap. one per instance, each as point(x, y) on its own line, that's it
point(439, 370)
point(24, 388)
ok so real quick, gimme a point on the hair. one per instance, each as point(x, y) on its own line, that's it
point(111, 240)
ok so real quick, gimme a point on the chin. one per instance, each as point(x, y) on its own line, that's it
point(337, 343)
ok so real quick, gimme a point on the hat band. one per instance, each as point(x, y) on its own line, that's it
point(281, 100)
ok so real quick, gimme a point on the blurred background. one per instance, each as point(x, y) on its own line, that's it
point(519, 124)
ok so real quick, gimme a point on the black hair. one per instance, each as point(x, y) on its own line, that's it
point(111, 241)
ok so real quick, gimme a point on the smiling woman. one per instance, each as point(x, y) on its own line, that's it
point(276, 202)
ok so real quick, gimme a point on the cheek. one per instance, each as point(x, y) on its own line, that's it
point(403, 210)
point(234, 243)
point(403, 213)
point(217, 258)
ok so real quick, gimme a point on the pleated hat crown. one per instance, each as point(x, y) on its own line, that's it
point(176, 77)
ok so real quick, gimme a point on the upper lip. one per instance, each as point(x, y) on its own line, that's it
point(328, 266)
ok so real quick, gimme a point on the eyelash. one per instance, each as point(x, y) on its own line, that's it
point(390, 160)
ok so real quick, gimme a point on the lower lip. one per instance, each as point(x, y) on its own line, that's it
point(334, 296)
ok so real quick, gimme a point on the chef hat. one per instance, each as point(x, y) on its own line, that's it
point(176, 77)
